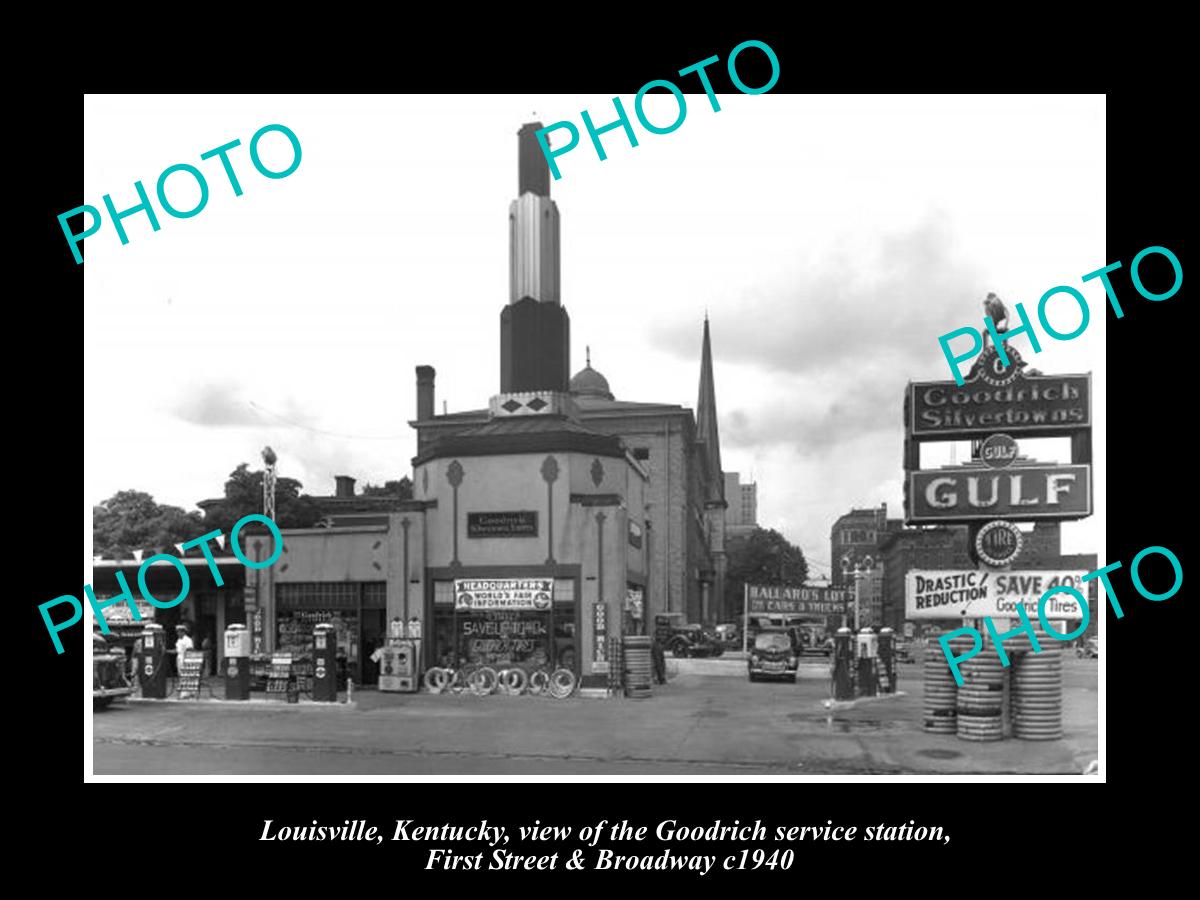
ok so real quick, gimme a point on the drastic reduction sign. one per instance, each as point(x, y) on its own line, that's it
point(503, 593)
point(969, 493)
point(971, 593)
point(522, 523)
point(1037, 404)
point(821, 601)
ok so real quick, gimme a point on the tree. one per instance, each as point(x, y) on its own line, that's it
point(131, 520)
point(244, 495)
point(402, 489)
point(764, 556)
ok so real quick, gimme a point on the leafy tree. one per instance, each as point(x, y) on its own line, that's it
point(403, 489)
point(764, 556)
point(131, 520)
point(244, 495)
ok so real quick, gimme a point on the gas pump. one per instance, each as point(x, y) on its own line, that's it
point(152, 667)
point(324, 681)
point(868, 651)
point(843, 656)
point(237, 663)
point(887, 659)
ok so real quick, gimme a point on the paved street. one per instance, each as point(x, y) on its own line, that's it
point(707, 720)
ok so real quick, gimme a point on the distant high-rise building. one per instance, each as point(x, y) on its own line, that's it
point(742, 514)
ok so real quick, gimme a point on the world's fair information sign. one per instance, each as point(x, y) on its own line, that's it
point(973, 593)
point(503, 593)
point(781, 599)
point(1030, 405)
point(971, 493)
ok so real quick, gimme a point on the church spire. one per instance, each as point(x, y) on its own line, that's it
point(706, 419)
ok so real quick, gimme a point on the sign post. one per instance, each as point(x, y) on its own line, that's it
point(745, 617)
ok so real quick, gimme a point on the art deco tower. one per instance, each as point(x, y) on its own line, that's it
point(534, 327)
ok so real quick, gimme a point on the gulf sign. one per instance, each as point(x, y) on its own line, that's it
point(972, 593)
point(968, 493)
point(1030, 405)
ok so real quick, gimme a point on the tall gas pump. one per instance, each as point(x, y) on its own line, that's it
point(237, 663)
point(868, 651)
point(324, 682)
point(152, 666)
point(887, 659)
point(843, 659)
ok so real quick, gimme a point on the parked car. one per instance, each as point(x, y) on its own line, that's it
point(1088, 648)
point(729, 635)
point(108, 674)
point(773, 656)
point(904, 649)
point(694, 640)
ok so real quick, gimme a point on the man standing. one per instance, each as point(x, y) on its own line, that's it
point(183, 643)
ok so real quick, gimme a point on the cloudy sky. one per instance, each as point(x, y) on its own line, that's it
point(829, 239)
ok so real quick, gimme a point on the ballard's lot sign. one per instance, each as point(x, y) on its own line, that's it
point(779, 599)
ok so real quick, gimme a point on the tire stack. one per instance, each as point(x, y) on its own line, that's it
point(638, 668)
point(616, 665)
point(1037, 695)
point(981, 698)
point(941, 691)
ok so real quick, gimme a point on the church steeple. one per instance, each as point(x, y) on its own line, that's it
point(706, 419)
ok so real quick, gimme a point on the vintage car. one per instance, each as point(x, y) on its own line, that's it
point(108, 674)
point(773, 656)
point(694, 640)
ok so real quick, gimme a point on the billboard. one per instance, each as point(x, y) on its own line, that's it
point(1023, 492)
point(787, 600)
point(1028, 404)
point(972, 593)
point(503, 593)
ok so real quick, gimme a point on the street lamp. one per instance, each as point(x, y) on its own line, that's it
point(859, 569)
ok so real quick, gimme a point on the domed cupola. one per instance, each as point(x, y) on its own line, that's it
point(587, 382)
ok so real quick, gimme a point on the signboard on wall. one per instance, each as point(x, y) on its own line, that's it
point(1028, 404)
point(971, 593)
point(519, 523)
point(600, 637)
point(817, 601)
point(503, 593)
point(968, 493)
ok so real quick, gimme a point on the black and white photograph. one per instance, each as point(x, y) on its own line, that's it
point(503, 435)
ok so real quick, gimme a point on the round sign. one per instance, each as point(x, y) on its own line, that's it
point(320, 671)
point(149, 669)
point(992, 368)
point(998, 451)
point(233, 669)
point(541, 600)
point(998, 543)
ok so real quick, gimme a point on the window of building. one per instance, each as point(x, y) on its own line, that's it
point(356, 609)
point(641, 452)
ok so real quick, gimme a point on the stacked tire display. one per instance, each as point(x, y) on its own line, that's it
point(941, 691)
point(637, 665)
point(981, 699)
point(1037, 687)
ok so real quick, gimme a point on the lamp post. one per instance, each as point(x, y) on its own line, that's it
point(858, 569)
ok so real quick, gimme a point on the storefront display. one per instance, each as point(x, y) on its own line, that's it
point(524, 623)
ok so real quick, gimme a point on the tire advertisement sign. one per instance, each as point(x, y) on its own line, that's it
point(1028, 404)
point(967, 593)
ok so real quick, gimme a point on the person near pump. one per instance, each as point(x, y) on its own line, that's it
point(183, 643)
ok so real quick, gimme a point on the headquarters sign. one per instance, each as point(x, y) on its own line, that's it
point(784, 600)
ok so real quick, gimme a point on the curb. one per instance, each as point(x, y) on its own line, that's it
point(244, 704)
